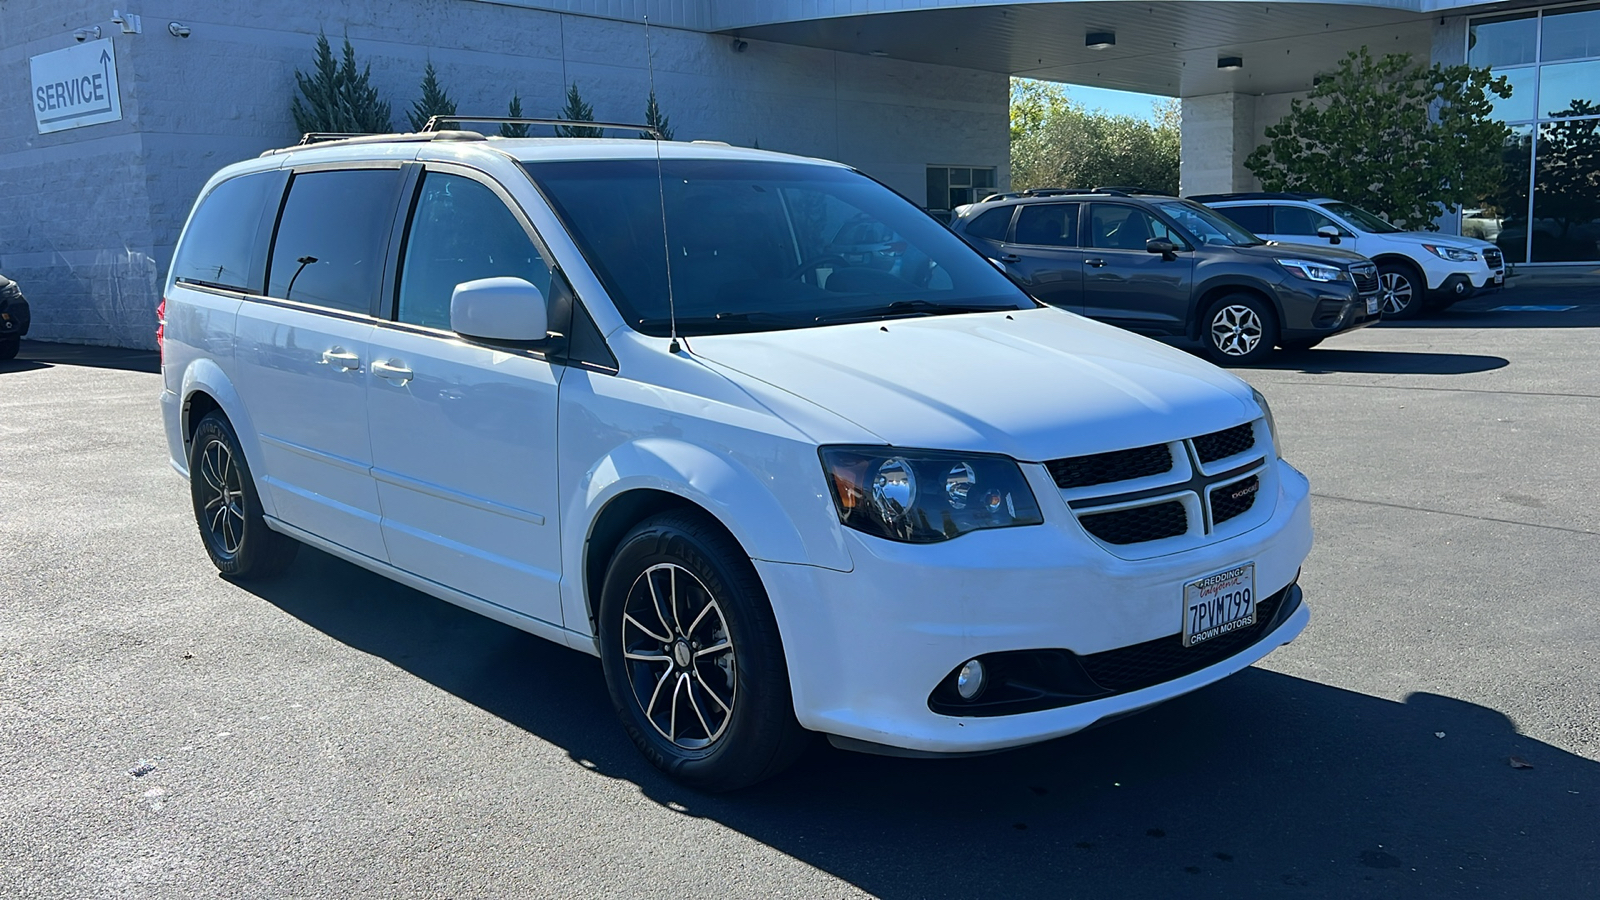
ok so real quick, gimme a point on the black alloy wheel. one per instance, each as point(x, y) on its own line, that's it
point(227, 507)
point(692, 655)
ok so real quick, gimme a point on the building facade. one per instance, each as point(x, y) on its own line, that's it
point(113, 122)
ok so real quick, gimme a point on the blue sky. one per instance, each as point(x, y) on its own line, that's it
point(1124, 103)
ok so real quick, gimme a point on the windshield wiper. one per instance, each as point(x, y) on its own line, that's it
point(913, 308)
point(723, 320)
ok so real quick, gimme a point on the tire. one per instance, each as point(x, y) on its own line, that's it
point(227, 508)
point(1300, 344)
point(728, 721)
point(1403, 290)
point(10, 348)
point(1239, 329)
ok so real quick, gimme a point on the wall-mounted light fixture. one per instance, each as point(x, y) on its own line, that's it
point(1230, 63)
point(1100, 40)
point(131, 24)
point(739, 46)
point(177, 29)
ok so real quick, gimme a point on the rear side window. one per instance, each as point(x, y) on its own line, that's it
point(1048, 224)
point(1257, 219)
point(1298, 220)
point(220, 247)
point(461, 231)
point(992, 224)
point(332, 237)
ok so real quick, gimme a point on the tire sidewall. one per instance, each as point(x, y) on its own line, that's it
point(1269, 330)
point(1413, 277)
point(215, 427)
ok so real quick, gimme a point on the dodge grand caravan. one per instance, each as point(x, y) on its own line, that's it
point(635, 398)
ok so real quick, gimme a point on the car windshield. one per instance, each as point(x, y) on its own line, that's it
point(1360, 218)
point(762, 246)
point(1206, 225)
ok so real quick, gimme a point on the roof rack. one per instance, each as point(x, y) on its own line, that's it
point(1131, 191)
point(331, 137)
point(1254, 195)
point(434, 122)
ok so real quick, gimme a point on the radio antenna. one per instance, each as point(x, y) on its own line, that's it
point(673, 345)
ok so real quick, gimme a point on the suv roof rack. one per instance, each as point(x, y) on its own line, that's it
point(1254, 195)
point(334, 137)
point(434, 122)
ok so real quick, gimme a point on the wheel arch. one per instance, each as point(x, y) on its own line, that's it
point(1213, 292)
point(206, 388)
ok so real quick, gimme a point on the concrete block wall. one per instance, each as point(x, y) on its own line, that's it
point(103, 205)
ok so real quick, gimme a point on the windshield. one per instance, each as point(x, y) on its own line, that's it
point(759, 246)
point(1360, 218)
point(1206, 225)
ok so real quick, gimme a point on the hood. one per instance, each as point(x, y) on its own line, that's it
point(1437, 238)
point(1033, 384)
point(1322, 253)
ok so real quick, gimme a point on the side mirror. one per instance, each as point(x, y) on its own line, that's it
point(1166, 248)
point(499, 309)
point(1330, 232)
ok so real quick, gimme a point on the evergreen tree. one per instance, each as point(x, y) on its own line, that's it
point(577, 110)
point(338, 97)
point(653, 116)
point(318, 110)
point(433, 102)
point(514, 111)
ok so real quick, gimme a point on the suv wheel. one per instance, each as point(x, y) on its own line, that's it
point(692, 656)
point(1402, 289)
point(1240, 329)
point(227, 508)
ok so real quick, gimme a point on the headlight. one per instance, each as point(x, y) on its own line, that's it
point(1312, 271)
point(1272, 425)
point(923, 496)
point(1454, 254)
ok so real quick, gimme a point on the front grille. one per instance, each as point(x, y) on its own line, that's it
point(1138, 524)
point(1226, 443)
point(1492, 256)
point(1365, 277)
point(1103, 468)
point(1234, 499)
point(1163, 659)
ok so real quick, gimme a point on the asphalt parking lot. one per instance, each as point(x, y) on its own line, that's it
point(166, 733)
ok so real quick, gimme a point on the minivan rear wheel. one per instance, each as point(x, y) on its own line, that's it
point(692, 655)
point(227, 507)
point(1240, 329)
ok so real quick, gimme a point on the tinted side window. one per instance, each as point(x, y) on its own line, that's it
point(1298, 220)
point(461, 231)
point(219, 249)
point(332, 237)
point(1048, 224)
point(1257, 219)
point(992, 225)
point(1116, 227)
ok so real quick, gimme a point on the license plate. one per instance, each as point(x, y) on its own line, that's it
point(1218, 604)
point(1499, 278)
point(1372, 305)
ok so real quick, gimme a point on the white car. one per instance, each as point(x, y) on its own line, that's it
point(1420, 270)
point(774, 491)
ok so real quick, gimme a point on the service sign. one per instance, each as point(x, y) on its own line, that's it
point(76, 87)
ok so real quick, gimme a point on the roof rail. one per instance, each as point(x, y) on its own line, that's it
point(318, 137)
point(1254, 195)
point(434, 122)
point(328, 137)
point(1132, 190)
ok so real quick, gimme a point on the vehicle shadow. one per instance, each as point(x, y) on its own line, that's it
point(1326, 360)
point(40, 354)
point(1262, 785)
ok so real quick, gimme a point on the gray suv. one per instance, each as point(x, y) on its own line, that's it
point(1171, 268)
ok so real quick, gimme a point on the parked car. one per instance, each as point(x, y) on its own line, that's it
point(1421, 270)
point(634, 403)
point(14, 318)
point(1166, 267)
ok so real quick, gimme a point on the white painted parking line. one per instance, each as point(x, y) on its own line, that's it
point(1532, 308)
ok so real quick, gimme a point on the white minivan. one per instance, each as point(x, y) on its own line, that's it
point(632, 397)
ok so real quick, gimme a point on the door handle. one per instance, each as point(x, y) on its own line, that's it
point(1097, 263)
point(393, 371)
point(341, 358)
point(1010, 258)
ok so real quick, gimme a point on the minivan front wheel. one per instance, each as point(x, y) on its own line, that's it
point(227, 508)
point(1240, 329)
point(692, 656)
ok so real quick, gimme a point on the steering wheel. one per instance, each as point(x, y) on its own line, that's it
point(817, 262)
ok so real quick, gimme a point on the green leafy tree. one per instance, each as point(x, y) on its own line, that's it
point(1403, 140)
point(577, 110)
point(514, 111)
point(1056, 142)
point(433, 102)
point(653, 117)
point(339, 97)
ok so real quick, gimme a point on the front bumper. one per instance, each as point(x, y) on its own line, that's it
point(867, 648)
point(1316, 310)
point(15, 318)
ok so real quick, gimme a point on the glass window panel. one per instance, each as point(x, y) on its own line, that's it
point(332, 236)
point(1569, 89)
point(221, 240)
point(1566, 192)
point(1571, 34)
point(1519, 107)
point(983, 178)
point(1255, 219)
point(992, 225)
point(961, 178)
point(938, 185)
point(1048, 224)
point(1502, 217)
point(1503, 41)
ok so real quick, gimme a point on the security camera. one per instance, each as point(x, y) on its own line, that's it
point(84, 34)
point(177, 29)
point(738, 45)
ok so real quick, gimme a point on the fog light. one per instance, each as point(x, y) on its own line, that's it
point(969, 681)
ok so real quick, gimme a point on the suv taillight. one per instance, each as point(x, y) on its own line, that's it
point(161, 329)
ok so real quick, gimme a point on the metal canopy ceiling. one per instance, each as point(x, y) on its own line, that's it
point(1168, 48)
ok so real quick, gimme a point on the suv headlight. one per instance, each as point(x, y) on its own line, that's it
point(1454, 254)
point(1272, 425)
point(924, 496)
point(1313, 271)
